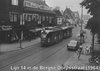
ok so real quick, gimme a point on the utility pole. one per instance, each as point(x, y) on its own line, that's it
point(81, 31)
point(21, 22)
point(81, 17)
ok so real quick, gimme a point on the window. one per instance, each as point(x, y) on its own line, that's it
point(39, 21)
point(47, 18)
point(29, 17)
point(43, 18)
point(50, 19)
point(15, 2)
point(33, 16)
point(13, 17)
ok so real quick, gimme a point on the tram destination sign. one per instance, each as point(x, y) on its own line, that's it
point(35, 5)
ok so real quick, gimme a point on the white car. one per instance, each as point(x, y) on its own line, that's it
point(73, 44)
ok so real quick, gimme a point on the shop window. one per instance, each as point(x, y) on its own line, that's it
point(15, 2)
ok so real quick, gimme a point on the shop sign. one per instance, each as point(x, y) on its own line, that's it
point(34, 5)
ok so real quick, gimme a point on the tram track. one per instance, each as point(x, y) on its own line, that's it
point(38, 51)
point(64, 45)
point(21, 55)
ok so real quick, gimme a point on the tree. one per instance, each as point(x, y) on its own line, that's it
point(93, 24)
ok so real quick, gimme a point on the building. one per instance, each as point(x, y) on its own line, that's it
point(68, 17)
point(18, 17)
point(59, 16)
point(77, 17)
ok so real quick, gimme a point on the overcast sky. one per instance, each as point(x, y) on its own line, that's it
point(73, 4)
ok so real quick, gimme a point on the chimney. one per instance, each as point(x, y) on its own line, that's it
point(44, 1)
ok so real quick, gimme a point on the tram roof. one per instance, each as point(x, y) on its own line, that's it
point(56, 28)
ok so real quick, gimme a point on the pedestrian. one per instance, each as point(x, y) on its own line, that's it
point(79, 51)
point(87, 50)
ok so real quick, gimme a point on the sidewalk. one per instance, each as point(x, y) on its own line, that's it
point(73, 61)
point(16, 46)
point(79, 63)
point(83, 61)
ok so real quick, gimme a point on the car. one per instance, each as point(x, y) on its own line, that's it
point(73, 45)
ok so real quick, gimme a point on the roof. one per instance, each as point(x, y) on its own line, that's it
point(58, 13)
point(67, 12)
point(39, 10)
point(76, 13)
point(40, 2)
point(73, 41)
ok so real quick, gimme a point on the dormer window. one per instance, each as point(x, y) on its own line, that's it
point(15, 2)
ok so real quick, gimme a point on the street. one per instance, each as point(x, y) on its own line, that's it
point(49, 35)
point(35, 55)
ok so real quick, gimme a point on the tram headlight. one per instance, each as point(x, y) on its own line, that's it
point(43, 35)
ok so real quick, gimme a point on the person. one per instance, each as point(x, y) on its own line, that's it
point(79, 51)
point(87, 50)
point(82, 37)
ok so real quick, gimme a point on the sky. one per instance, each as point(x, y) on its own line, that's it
point(74, 5)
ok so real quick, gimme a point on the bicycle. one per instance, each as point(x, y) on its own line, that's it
point(94, 59)
point(79, 51)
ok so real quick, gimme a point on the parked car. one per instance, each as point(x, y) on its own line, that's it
point(73, 44)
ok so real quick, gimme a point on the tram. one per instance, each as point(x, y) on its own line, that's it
point(52, 35)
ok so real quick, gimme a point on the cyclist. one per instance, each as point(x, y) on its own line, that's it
point(79, 51)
